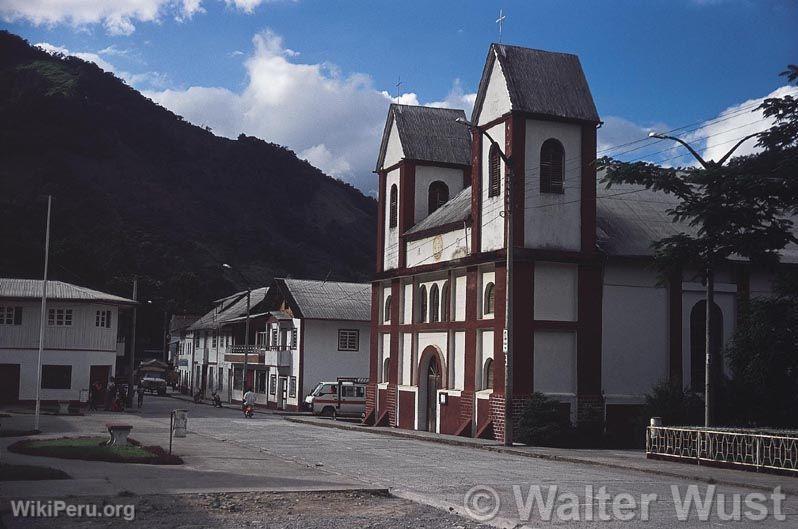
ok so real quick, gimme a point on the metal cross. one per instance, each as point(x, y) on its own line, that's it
point(500, 22)
point(398, 85)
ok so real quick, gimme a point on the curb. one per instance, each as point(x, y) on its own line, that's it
point(547, 457)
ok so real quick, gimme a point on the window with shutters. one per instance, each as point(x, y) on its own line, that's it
point(348, 339)
point(103, 319)
point(10, 315)
point(59, 317)
point(387, 311)
point(438, 195)
point(393, 216)
point(292, 387)
point(494, 172)
point(293, 338)
point(552, 166)
point(445, 302)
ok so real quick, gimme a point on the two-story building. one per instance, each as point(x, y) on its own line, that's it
point(80, 339)
point(304, 332)
point(594, 328)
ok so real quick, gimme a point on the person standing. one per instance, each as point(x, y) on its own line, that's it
point(140, 395)
point(93, 397)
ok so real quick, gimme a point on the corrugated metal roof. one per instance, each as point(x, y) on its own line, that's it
point(456, 209)
point(330, 300)
point(630, 218)
point(229, 308)
point(56, 290)
point(429, 134)
point(180, 322)
point(540, 82)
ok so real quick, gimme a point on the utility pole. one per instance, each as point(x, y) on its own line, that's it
point(709, 361)
point(43, 315)
point(246, 346)
point(132, 364)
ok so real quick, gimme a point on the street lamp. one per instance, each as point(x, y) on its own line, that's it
point(508, 303)
point(246, 327)
point(709, 396)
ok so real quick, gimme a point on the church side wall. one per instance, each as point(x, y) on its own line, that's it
point(425, 175)
point(391, 234)
point(438, 248)
point(393, 150)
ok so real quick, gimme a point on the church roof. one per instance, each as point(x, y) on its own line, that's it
point(540, 82)
point(456, 209)
point(428, 134)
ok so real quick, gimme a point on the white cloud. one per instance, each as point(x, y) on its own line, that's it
point(333, 120)
point(457, 98)
point(248, 6)
point(138, 80)
point(117, 16)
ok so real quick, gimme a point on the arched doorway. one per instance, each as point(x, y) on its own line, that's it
point(698, 342)
point(433, 385)
point(430, 377)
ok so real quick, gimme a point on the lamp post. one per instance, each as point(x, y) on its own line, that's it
point(246, 328)
point(42, 315)
point(709, 361)
point(507, 341)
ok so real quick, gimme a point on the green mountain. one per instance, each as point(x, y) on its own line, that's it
point(139, 192)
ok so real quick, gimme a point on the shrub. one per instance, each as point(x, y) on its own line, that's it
point(542, 423)
point(674, 405)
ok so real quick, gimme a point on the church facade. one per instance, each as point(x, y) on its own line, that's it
point(594, 327)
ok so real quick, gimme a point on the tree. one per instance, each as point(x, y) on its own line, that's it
point(741, 209)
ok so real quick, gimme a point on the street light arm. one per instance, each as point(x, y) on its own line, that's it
point(687, 145)
point(731, 151)
point(493, 142)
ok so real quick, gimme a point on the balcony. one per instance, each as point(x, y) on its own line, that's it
point(254, 354)
point(277, 356)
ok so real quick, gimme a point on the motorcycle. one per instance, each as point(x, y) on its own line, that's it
point(249, 411)
point(217, 402)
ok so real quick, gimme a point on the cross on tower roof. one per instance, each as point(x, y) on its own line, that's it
point(398, 84)
point(500, 22)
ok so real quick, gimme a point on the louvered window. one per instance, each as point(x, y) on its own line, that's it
point(494, 172)
point(552, 167)
point(392, 218)
point(438, 195)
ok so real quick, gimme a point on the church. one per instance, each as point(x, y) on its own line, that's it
point(594, 326)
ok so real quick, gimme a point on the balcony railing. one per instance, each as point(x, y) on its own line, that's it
point(759, 450)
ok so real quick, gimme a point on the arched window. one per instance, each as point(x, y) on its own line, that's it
point(438, 195)
point(445, 302)
point(490, 299)
point(387, 312)
point(698, 342)
point(392, 217)
point(494, 172)
point(434, 304)
point(422, 296)
point(385, 369)
point(552, 165)
point(487, 374)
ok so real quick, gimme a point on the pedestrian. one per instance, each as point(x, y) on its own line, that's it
point(110, 395)
point(140, 395)
point(93, 397)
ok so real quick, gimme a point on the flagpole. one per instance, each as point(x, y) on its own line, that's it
point(43, 314)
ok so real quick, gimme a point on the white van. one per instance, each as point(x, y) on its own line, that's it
point(346, 397)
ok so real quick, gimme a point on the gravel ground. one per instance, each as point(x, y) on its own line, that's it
point(256, 510)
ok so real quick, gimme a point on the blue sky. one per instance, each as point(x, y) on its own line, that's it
point(309, 73)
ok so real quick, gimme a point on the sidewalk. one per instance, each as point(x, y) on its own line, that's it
point(633, 460)
point(236, 406)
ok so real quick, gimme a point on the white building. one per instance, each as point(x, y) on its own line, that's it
point(300, 333)
point(80, 339)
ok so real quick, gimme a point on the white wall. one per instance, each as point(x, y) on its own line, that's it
point(407, 303)
point(392, 234)
point(556, 291)
point(425, 175)
point(81, 362)
point(555, 362)
point(393, 150)
point(407, 359)
point(552, 220)
point(438, 339)
point(82, 334)
point(323, 361)
point(439, 248)
point(383, 354)
point(635, 337)
point(485, 278)
point(460, 293)
point(457, 376)
point(497, 97)
point(492, 235)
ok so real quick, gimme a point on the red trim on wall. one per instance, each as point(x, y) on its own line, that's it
point(469, 364)
point(523, 318)
point(500, 289)
point(393, 362)
point(476, 191)
point(381, 222)
point(675, 371)
point(407, 206)
point(588, 192)
point(374, 341)
point(588, 342)
point(515, 136)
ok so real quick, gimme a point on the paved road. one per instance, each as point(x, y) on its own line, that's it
point(442, 475)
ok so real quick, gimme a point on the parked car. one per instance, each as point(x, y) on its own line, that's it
point(345, 397)
point(154, 384)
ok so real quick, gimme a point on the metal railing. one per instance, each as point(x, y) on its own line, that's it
point(754, 449)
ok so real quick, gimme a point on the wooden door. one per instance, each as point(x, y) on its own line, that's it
point(433, 385)
point(9, 383)
point(100, 375)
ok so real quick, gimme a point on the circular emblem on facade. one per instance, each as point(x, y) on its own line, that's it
point(437, 247)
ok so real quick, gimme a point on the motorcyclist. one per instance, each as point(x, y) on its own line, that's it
point(249, 400)
point(217, 401)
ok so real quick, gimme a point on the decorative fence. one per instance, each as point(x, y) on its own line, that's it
point(754, 449)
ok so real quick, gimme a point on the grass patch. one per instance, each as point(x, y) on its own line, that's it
point(30, 473)
point(94, 449)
